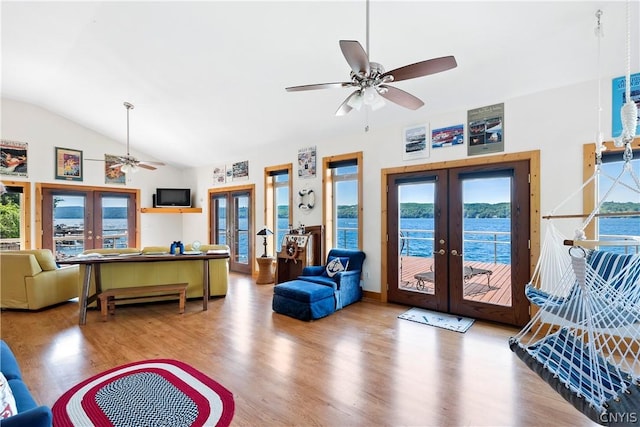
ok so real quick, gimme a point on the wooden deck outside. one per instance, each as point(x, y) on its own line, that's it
point(497, 290)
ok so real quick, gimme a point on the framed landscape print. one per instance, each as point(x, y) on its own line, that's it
point(68, 164)
point(414, 142)
point(13, 158)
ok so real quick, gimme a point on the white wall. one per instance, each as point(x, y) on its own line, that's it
point(557, 122)
point(44, 131)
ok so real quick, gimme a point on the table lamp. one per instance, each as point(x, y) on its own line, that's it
point(264, 233)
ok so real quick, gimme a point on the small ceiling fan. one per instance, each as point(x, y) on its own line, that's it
point(371, 80)
point(128, 163)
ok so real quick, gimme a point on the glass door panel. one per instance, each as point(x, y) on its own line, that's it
point(486, 248)
point(240, 249)
point(419, 262)
point(12, 227)
point(71, 236)
point(220, 220)
point(113, 222)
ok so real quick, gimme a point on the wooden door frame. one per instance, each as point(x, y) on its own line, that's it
point(534, 201)
point(41, 187)
point(25, 211)
point(250, 188)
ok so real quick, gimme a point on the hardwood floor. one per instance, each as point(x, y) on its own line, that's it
point(359, 366)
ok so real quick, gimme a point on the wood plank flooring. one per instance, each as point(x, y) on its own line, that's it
point(361, 366)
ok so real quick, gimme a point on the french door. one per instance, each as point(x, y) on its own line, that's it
point(232, 225)
point(75, 220)
point(459, 240)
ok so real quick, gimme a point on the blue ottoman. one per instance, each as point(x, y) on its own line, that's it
point(303, 300)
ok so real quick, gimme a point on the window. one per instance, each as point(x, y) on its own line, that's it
point(15, 216)
point(278, 202)
point(342, 213)
point(620, 200)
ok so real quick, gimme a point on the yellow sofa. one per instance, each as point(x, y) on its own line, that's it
point(31, 280)
point(127, 274)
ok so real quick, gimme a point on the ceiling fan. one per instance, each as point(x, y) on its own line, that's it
point(371, 80)
point(128, 163)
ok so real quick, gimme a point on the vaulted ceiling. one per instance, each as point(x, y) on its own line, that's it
point(208, 78)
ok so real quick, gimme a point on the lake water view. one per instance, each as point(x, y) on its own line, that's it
point(486, 239)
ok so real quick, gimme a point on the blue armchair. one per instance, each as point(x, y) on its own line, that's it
point(342, 272)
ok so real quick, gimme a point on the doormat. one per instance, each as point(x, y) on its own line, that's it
point(439, 320)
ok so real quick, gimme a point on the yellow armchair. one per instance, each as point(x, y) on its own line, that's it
point(31, 280)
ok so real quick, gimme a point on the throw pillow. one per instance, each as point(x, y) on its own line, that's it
point(45, 258)
point(7, 401)
point(336, 265)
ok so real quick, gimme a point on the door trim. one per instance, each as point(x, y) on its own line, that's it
point(534, 200)
point(40, 187)
point(250, 188)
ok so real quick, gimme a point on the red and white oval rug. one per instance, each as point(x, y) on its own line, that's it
point(160, 392)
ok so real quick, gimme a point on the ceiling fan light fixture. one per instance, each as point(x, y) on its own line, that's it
point(373, 99)
point(356, 101)
point(128, 168)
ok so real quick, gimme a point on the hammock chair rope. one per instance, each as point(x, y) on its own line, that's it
point(584, 338)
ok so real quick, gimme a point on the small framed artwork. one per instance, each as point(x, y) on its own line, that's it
point(619, 98)
point(486, 130)
point(68, 164)
point(13, 158)
point(414, 142)
point(113, 175)
point(307, 162)
point(447, 137)
point(219, 175)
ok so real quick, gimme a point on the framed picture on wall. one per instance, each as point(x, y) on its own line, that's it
point(486, 130)
point(13, 158)
point(619, 98)
point(68, 164)
point(414, 142)
point(113, 175)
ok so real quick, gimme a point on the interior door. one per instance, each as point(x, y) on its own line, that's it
point(231, 224)
point(459, 240)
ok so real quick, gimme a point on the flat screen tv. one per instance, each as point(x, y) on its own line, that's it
point(173, 198)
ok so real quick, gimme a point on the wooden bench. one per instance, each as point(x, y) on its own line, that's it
point(107, 298)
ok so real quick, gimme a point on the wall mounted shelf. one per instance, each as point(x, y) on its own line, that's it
point(171, 210)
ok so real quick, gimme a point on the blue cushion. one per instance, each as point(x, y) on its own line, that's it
point(320, 280)
point(303, 291)
point(8, 362)
point(24, 400)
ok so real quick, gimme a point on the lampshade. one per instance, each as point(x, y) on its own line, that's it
point(265, 232)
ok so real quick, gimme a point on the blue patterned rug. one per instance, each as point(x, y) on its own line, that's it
point(159, 392)
point(439, 320)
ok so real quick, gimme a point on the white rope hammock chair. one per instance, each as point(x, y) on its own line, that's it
point(584, 338)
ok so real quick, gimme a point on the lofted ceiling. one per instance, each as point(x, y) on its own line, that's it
point(208, 78)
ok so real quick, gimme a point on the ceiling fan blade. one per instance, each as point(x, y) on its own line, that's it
point(96, 160)
point(146, 162)
point(345, 107)
point(356, 56)
point(318, 86)
point(146, 166)
point(400, 97)
point(424, 68)
point(116, 165)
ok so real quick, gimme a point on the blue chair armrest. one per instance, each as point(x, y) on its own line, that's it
point(313, 270)
point(36, 417)
point(347, 278)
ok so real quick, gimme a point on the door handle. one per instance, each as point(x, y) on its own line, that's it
point(440, 252)
point(455, 253)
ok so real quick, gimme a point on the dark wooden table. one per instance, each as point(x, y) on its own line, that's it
point(94, 262)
